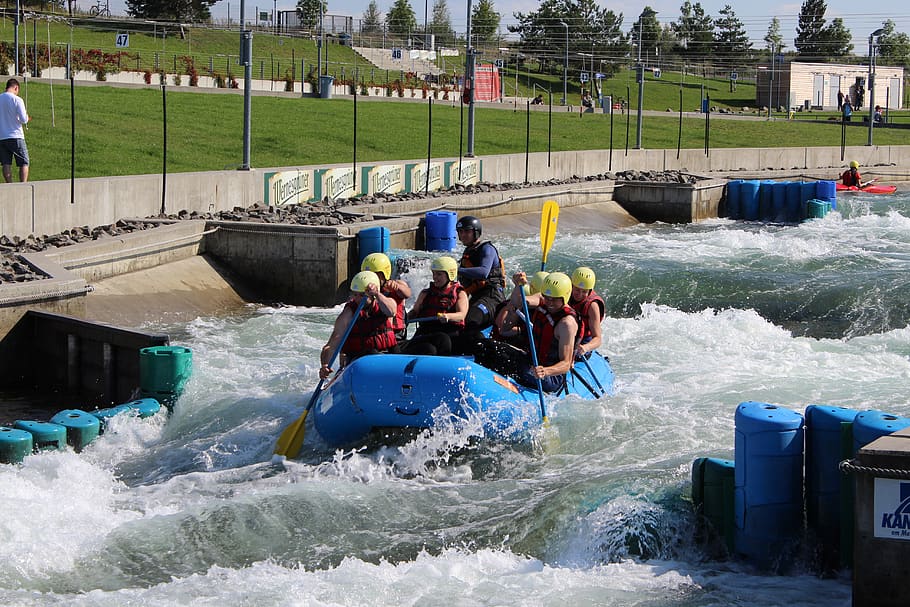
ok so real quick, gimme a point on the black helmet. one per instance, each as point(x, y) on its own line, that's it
point(469, 222)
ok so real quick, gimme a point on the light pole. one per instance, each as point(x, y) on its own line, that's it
point(565, 67)
point(640, 74)
point(874, 34)
point(469, 84)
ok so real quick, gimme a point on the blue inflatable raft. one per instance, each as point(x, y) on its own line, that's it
point(397, 391)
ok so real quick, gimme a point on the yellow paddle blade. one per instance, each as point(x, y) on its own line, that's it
point(291, 440)
point(549, 218)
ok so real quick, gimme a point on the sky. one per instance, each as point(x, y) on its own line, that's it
point(756, 19)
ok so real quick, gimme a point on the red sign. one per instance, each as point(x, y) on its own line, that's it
point(486, 83)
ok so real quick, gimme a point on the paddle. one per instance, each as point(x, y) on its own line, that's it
point(291, 440)
point(584, 359)
point(533, 350)
point(425, 319)
point(549, 217)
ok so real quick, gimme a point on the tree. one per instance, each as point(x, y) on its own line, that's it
point(309, 12)
point(372, 19)
point(694, 31)
point(646, 33)
point(810, 31)
point(893, 47)
point(170, 10)
point(484, 21)
point(837, 38)
point(441, 24)
point(731, 43)
point(590, 28)
point(774, 40)
point(400, 19)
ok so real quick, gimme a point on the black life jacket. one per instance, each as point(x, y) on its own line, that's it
point(495, 280)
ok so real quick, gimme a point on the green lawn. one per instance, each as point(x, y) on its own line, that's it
point(119, 131)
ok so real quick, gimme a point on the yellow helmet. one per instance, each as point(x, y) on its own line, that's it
point(362, 280)
point(584, 278)
point(854, 164)
point(445, 264)
point(379, 263)
point(557, 284)
point(536, 281)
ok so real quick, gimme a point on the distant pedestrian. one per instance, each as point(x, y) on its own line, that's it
point(12, 136)
point(847, 110)
point(840, 101)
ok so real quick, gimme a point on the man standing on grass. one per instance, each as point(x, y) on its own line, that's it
point(12, 136)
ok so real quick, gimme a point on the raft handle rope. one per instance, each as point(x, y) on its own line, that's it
point(852, 465)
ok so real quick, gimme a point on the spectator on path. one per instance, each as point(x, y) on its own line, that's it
point(13, 117)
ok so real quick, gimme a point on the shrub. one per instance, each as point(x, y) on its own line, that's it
point(219, 80)
point(147, 76)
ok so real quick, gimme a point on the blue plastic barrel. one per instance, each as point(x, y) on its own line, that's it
point(105, 415)
point(824, 451)
point(779, 201)
point(144, 407)
point(870, 425)
point(81, 427)
point(765, 208)
point(45, 436)
point(440, 231)
point(768, 498)
point(794, 205)
point(734, 196)
point(749, 201)
point(827, 191)
point(15, 444)
point(806, 193)
point(372, 240)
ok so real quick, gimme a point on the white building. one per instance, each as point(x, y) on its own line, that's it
point(815, 85)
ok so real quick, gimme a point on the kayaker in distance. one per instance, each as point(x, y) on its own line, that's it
point(446, 302)
point(590, 308)
point(371, 333)
point(482, 274)
point(398, 290)
point(555, 328)
point(851, 176)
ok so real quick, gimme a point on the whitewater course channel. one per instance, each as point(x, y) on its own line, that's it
point(700, 317)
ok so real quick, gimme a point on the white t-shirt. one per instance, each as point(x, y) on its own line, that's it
point(12, 116)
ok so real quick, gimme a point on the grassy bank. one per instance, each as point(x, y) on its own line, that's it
point(118, 131)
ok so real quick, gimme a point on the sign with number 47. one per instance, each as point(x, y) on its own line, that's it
point(123, 41)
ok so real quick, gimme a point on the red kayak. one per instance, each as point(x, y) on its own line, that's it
point(872, 188)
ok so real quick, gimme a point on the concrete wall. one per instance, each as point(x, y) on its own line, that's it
point(45, 207)
point(672, 202)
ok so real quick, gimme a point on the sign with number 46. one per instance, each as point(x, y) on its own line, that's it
point(123, 41)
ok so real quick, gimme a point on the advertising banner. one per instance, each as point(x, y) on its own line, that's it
point(288, 187)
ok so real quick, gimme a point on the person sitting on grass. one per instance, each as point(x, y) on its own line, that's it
point(446, 304)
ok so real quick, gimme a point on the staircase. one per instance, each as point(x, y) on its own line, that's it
point(382, 59)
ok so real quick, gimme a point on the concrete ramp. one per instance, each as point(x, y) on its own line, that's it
point(174, 292)
point(595, 217)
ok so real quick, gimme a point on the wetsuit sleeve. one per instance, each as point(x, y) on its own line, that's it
point(486, 264)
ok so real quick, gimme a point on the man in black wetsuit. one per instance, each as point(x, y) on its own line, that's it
point(482, 275)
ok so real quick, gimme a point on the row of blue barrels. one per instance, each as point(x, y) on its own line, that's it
point(73, 427)
point(777, 201)
point(439, 235)
point(786, 466)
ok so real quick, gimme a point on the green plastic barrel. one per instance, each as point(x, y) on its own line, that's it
point(104, 415)
point(81, 427)
point(164, 369)
point(45, 436)
point(145, 407)
point(15, 444)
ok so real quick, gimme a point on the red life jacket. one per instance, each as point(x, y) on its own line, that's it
point(438, 301)
point(851, 177)
point(581, 308)
point(372, 331)
point(543, 325)
point(397, 322)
